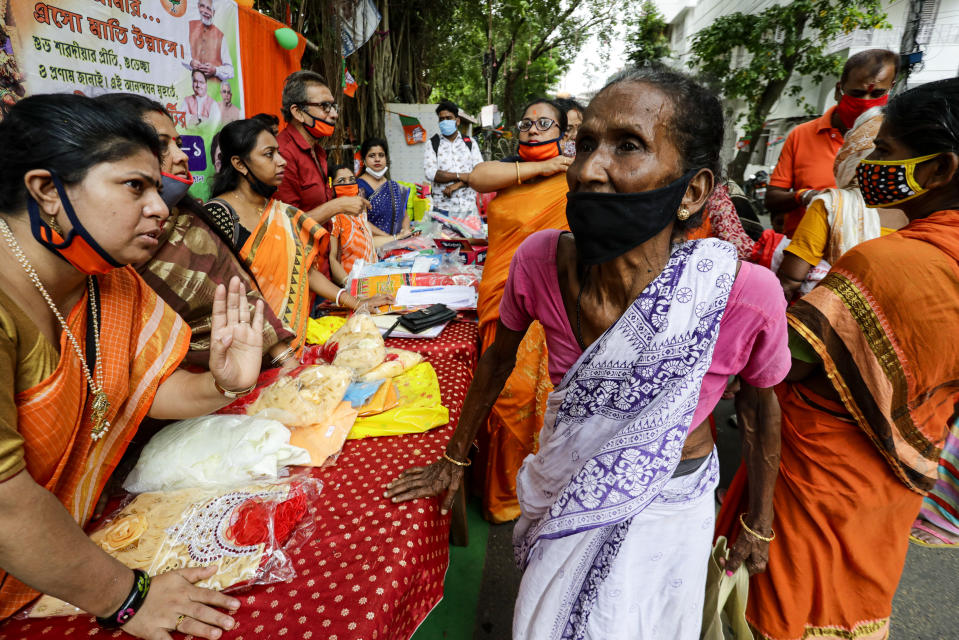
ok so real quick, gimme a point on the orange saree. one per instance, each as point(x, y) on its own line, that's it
point(516, 418)
point(853, 473)
point(280, 252)
point(142, 342)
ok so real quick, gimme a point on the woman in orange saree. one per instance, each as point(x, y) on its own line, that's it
point(281, 245)
point(87, 350)
point(874, 380)
point(531, 197)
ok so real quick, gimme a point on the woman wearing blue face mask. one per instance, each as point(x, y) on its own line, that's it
point(387, 198)
point(644, 330)
point(871, 390)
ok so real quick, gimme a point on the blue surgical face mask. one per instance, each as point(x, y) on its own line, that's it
point(447, 127)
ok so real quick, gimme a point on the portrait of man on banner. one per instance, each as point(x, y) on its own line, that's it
point(209, 52)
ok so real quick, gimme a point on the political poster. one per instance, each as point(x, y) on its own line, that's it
point(185, 54)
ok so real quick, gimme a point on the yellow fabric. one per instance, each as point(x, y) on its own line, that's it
point(725, 600)
point(319, 331)
point(384, 399)
point(27, 353)
point(419, 409)
point(812, 236)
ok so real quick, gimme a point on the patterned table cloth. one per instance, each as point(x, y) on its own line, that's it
point(372, 569)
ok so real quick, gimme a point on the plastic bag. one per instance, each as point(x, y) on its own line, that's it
point(306, 397)
point(249, 532)
point(419, 408)
point(357, 345)
point(395, 362)
point(214, 451)
point(324, 440)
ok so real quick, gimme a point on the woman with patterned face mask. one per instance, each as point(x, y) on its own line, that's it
point(644, 330)
point(87, 351)
point(871, 390)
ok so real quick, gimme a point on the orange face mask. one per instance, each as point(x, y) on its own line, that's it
point(539, 151)
point(319, 128)
point(344, 190)
point(79, 248)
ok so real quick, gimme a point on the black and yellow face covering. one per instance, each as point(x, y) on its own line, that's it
point(886, 183)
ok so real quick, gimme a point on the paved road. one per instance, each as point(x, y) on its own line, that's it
point(926, 605)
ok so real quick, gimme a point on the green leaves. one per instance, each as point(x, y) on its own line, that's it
point(646, 38)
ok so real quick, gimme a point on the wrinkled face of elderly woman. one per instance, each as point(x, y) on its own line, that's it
point(624, 144)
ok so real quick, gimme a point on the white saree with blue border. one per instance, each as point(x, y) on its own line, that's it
point(612, 545)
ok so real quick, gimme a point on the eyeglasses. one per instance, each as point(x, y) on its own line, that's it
point(325, 106)
point(543, 124)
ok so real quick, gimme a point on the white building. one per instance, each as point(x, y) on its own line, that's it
point(937, 34)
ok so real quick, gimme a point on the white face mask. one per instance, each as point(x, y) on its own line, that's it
point(378, 174)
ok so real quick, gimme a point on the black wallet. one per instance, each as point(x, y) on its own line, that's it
point(426, 318)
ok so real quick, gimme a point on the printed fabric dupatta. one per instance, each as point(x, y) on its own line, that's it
point(616, 425)
point(280, 252)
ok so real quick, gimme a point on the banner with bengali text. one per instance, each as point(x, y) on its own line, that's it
point(185, 54)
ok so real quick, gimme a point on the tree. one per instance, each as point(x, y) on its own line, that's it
point(533, 43)
point(646, 39)
point(779, 41)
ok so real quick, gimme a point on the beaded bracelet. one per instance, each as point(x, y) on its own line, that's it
point(132, 604)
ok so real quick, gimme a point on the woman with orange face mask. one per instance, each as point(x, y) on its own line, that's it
point(531, 196)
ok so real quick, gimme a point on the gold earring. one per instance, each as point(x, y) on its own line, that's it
point(55, 225)
point(684, 214)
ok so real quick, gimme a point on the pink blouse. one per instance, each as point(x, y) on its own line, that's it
point(752, 338)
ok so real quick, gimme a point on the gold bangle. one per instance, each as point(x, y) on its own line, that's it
point(755, 534)
point(457, 462)
point(518, 179)
point(233, 395)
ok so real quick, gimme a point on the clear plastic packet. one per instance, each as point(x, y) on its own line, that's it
point(305, 397)
point(356, 345)
point(249, 532)
point(214, 451)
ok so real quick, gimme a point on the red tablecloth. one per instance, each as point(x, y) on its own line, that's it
point(372, 569)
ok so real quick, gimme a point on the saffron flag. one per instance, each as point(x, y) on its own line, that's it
point(415, 133)
point(349, 84)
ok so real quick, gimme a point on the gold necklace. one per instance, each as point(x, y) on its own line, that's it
point(101, 404)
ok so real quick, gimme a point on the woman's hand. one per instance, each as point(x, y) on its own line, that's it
point(559, 164)
point(236, 343)
point(173, 594)
point(372, 303)
point(749, 549)
point(432, 480)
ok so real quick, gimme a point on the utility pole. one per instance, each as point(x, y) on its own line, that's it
point(489, 51)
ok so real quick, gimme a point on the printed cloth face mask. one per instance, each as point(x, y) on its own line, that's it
point(886, 183)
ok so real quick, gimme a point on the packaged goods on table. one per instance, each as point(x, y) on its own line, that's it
point(249, 532)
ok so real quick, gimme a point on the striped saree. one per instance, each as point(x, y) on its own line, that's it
point(853, 472)
point(185, 271)
point(516, 418)
point(280, 252)
point(142, 343)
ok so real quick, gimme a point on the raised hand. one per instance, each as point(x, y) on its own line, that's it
point(236, 342)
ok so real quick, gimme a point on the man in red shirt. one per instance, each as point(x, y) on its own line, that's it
point(805, 165)
point(311, 114)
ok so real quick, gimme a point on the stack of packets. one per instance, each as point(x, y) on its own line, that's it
point(349, 386)
point(248, 531)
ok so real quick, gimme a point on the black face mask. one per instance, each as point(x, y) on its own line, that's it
point(607, 225)
point(174, 189)
point(259, 187)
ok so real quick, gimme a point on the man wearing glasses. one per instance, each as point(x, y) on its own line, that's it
point(311, 114)
point(448, 160)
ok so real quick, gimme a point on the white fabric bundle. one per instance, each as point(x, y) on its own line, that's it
point(214, 451)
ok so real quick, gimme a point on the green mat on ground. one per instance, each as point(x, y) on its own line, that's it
point(455, 616)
